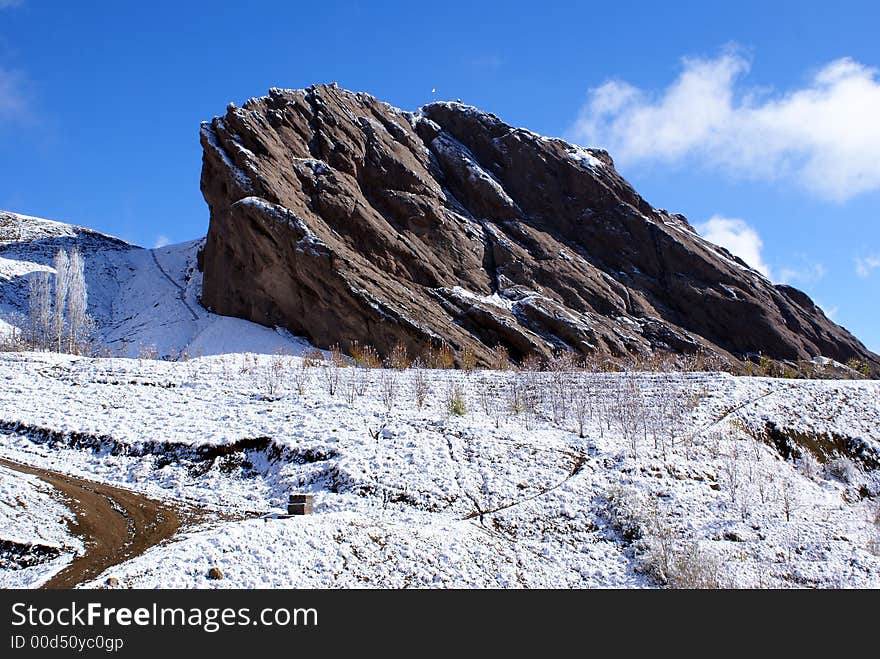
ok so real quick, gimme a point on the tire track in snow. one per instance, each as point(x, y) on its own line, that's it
point(181, 291)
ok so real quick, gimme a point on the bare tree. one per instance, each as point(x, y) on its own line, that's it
point(78, 302)
point(789, 503)
point(629, 413)
point(582, 402)
point(39, 307)
point(62, 283)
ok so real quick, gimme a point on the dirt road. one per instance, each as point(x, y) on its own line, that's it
point(114, 524)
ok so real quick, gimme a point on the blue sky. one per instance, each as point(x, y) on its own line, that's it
point(757, 120)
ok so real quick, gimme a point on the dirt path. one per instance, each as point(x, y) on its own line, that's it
point(115, 524)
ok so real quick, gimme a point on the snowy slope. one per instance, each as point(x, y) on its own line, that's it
point(502, 495)
point(32, 514)
point(142, 299)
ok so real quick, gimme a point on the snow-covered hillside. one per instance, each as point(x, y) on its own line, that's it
point(143, 300)
point(689, 479)
point(421, 478)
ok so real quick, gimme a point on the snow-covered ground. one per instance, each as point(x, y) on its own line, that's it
point(32, 515)
point(142, 300)
point(675, 478)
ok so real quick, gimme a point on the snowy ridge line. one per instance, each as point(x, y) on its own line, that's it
point(168, 451)
point(181, 290)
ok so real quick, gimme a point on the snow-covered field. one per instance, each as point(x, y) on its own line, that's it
point(676, 478)
point(32, 514)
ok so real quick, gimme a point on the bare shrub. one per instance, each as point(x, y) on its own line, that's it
point(330, 376)
point(302, 376)
point(661, 551)
point(468, 359)
point(808, 465)
point(628, 412)
point(841, 469)
point(455, 400)
point(442, 357)
point(732, 469)
point(398, 358)
point(420, 383)
point(500, 359)
point(582, 404)
point(787, 497)
point(148, 352)
point(561, 368)
point(272, 376)
point(365, 356)
point(692, 568)
point(360, 379)
point(532, 363)
point(388, 385)
point(312, 358)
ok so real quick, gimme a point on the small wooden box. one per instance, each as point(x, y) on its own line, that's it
point(300, 504)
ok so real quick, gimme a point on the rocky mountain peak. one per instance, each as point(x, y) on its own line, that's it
point(342, 218)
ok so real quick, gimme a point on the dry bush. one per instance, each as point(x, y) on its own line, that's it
point(468, 359)
point(302, 376)
point(272, 376)
point(148, 352)
point(337, 357)
point(582, 404)
point(532, 363)
point(388, 386)
point(500, 358)
point(365, 356)
point(312, 358)
point(455, 400)
point(629, 412)
point(330, 375)
point(661, 550)
point(398, 358)
point(692, 568)
point(440, 358)
point(421, 389)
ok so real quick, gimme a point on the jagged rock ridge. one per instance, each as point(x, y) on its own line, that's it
point(340, 217)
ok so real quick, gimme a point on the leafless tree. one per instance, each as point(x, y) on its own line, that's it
point(62, 284)
point(78, 299)
point(628, 412)
point(39, 307)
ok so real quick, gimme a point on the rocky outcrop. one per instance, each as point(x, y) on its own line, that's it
point(340, 217)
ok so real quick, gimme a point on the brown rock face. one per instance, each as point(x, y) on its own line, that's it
point(340, 217)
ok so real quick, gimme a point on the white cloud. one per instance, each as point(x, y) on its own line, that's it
point(161, 241)
point(806, 274)
point(738, 238)
point(13, 104)
point(824, 135)
point(865, 264)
